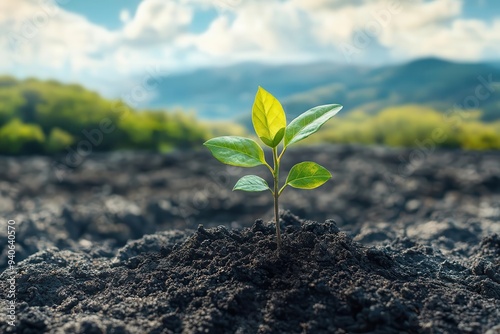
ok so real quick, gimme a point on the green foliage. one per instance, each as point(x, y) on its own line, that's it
point(479, 136)
point(236, 151)
point(410, 126)
point(269, 122)
point(251, 183)
point(62, 113)
point(10, 101)
point(58, 140)
point(307, 175)
point(268, 118)
point(227, 129)
point(16, 136)
point(309, 122)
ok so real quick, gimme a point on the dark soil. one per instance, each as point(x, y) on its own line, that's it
point(115, 247)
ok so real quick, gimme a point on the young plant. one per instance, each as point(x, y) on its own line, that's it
point(269, 121)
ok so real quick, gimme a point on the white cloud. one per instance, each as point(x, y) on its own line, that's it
point(437, 29)
point(39, 36)
point(304, 29)
point(44, 40)
point(328, 4)
point(158, 21)
point(279, 30)
point(125, 15)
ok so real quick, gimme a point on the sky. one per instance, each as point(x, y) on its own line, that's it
point(107, 45)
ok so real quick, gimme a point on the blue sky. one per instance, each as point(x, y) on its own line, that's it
point(107, 45)
point(107, 13)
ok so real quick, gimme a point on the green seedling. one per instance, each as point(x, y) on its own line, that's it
point(269, 121)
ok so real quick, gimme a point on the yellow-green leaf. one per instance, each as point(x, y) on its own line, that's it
point(268, 118)
point(236, 151)
point(251, 183)
point(307, 175)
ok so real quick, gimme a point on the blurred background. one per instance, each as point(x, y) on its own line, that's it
point(169, 73)
point(104, 106)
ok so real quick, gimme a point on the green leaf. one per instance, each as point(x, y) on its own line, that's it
point(309, 122)
point(236, 151)
point(307, 175)
point(251, 183)
point(268, 118)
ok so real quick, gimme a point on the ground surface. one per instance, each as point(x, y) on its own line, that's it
point(114, 246)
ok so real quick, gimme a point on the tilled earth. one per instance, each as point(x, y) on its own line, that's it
point(400, 241)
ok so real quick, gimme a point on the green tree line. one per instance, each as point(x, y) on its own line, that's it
point(414, 126)
point(47, 117)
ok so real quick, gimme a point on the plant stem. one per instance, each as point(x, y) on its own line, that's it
point(276, 194)
point(282, 152)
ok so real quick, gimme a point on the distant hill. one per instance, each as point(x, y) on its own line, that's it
point(495, 64)
point(228, 92)
point(430, 82)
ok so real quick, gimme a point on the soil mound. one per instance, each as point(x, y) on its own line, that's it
point(217, 280)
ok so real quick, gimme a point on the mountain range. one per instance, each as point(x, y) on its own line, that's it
point(228, 92)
